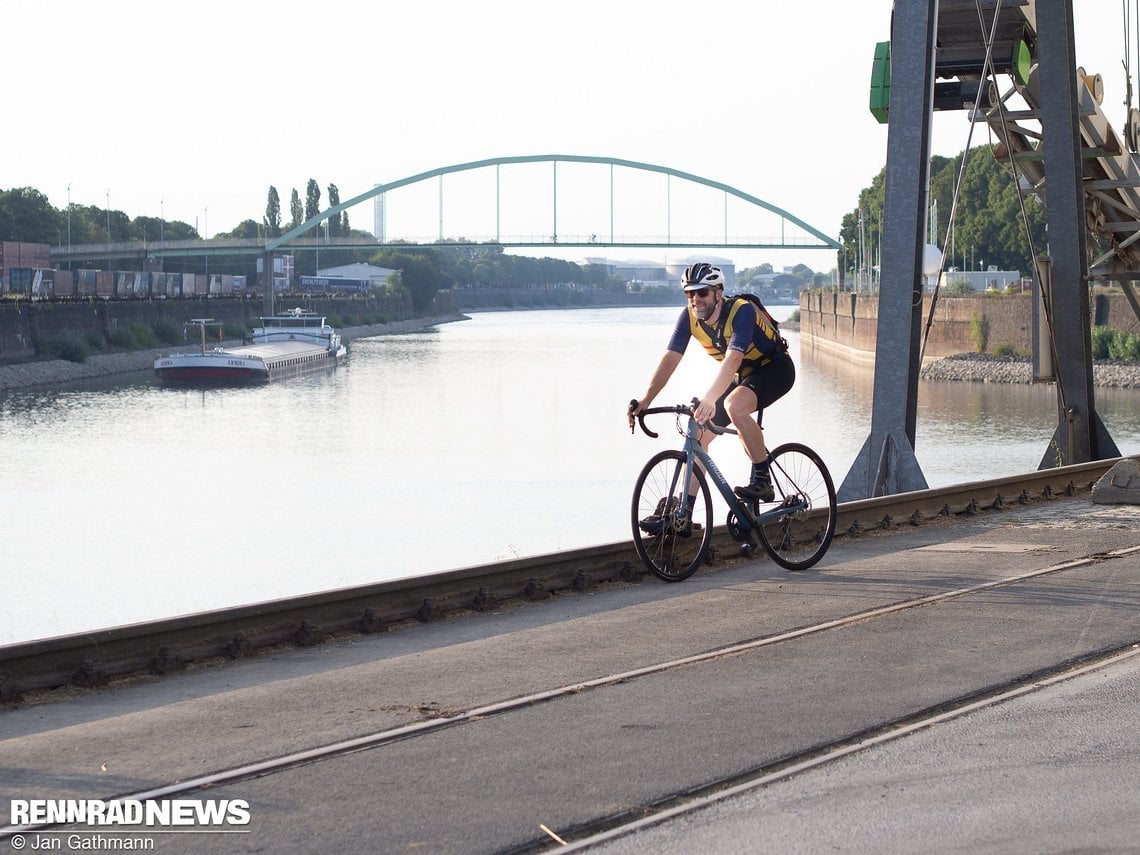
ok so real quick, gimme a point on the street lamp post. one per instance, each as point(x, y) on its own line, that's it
point(108, 228)
point(68, 226)
point(161, 231)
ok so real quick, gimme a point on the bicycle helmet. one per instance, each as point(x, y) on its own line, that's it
point(702, 275)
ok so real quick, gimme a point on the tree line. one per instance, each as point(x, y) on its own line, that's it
point(27, 215)
point(988, 227)
point(988, 230)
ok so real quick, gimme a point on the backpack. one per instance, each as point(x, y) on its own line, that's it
point(765, 315)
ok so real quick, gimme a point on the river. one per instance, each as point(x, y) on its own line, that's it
point(493, 438)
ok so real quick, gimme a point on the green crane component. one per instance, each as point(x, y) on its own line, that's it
point(1021, 62)
point(881, 82)
point(948, 96)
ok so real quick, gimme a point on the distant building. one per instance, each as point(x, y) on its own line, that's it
point(727, 266)
point(646, 272)
point(656, 274)
point(369, 272)
point(981, 280)
point(776, 289)
point(348, 279)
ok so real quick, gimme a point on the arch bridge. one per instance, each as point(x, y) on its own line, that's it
point(786, 231)
point(804, 236)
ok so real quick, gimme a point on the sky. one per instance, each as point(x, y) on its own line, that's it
point(191, 112)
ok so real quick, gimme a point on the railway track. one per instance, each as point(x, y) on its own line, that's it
point(686, 794)
point(604, 831)
point(94, 659)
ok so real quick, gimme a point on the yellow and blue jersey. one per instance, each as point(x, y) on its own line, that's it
point(740, 327)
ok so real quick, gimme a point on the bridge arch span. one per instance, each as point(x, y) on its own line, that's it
point(825, 241)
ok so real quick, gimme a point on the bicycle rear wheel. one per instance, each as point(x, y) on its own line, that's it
point(672, 543)
point(799, 539)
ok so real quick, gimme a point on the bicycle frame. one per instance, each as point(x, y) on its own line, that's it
point(695, 453)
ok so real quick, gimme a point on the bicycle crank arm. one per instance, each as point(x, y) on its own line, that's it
point(790, 506)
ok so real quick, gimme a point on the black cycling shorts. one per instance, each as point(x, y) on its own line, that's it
point(769, 382)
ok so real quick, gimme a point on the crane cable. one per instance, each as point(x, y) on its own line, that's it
point(1016, 174)
point(1127, 61)
point(986, 65)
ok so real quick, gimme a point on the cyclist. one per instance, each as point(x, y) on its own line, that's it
point(755, 370)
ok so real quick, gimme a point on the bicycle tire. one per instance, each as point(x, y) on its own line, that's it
point(674, 553)
point(798, 540)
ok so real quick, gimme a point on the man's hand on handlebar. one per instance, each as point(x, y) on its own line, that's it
point(634, 408)
point(703, 411)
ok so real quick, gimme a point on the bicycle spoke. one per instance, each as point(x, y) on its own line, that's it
point(797, 540)
point(671, 543)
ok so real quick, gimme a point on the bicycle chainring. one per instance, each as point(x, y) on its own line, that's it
point(739, 532)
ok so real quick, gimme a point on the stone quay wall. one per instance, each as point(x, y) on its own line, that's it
point(851, 320)
point(25, 324)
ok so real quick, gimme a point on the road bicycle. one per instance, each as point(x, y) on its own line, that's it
point(672, 511)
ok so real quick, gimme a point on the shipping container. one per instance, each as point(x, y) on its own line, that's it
point(124, 285)
point(104, 284)
point(22, 255)
point(201, 285)
point(86, 283)
point(63, 285)
point(20, 281)
point(38, 255)
point(42, 284)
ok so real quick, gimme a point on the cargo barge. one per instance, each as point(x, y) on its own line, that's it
point(292, 343)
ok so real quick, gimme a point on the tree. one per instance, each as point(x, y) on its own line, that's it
point(420, 273)
point(296, 212)
point(147, 228)
point(987, 223)
point(173, 230)
point(273, 213)
point(246, 229)
point(334, 222)
point(27, 215)
point(312, 199)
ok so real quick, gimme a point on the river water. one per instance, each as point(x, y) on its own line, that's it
point(498, 437)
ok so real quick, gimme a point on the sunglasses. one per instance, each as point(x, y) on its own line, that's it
point(698, 292)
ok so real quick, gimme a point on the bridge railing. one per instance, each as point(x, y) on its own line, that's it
point(254, 246)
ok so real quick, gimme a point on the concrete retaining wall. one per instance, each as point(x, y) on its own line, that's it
point(851, 320)
point(25, 325)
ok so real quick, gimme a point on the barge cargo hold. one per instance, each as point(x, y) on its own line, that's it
point(292, 343)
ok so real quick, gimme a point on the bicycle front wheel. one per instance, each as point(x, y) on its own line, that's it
point(799, 539)
point(671, 532)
